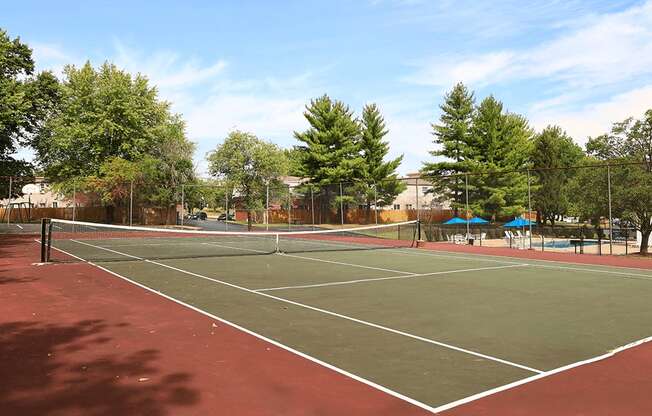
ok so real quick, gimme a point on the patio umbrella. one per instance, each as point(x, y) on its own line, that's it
point(478, 220)
point(455, 221)
point(518, 222)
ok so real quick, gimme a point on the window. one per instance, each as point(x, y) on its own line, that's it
point(55, 205)
point(41, 204)
point(397, 206)
point(424, 189)
point(408, 206)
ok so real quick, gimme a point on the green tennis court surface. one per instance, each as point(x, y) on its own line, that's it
point(434, 327)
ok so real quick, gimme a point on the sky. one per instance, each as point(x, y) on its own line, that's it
point(255, 65)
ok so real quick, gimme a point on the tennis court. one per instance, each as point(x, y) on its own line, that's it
point(430, 327)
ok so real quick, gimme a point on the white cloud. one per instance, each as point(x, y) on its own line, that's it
point(604, 50)
point(596, 119)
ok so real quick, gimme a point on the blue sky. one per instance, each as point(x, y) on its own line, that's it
point(253, 65)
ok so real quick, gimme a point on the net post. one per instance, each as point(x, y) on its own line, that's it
point(43, 238)
point(47, 253)
point(418, 231)
point(277, 248)
point(289, 208)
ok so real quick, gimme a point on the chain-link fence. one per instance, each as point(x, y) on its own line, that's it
point(600, 209)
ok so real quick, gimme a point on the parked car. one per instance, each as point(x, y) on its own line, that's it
point(201, 215)
point(222, 217)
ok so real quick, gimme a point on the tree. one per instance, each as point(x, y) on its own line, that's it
point(295, 164)
point(25, 98)
point(249, 165)
point(107, 121)
point(552, 151)
point(330, 149)
point(453, 135)
point(629, 144)
point(380, 180)
point(501, 147)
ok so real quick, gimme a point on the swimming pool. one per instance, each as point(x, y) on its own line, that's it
point(567, 244)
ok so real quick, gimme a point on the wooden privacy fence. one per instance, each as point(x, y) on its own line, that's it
point(108, 215)
point(351, 216)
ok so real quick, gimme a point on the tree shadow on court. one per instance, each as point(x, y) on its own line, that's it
point(48, 369)
point(11, 280)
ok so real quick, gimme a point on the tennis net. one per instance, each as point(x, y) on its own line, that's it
point(70, 241)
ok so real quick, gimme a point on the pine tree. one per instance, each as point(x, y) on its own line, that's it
point(330, 152)
point(378, 173)
point(330, 149)
point(502, 144)
point(453, 136)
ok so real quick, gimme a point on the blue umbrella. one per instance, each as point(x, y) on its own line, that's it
point(478, 220)
point(519, 222)
point(455, 221)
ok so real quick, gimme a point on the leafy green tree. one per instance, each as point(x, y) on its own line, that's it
point(110, 126)
point(379, 179)
point(25, 98)
point(248, 164)
point(629, 142)
point(453, 137)
point(552, 151)
point(501, 146)
point(295, 164)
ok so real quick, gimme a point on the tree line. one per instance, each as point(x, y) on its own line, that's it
point(490, 152)
point(102, 129)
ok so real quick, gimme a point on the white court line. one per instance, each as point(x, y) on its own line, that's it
point(557, 265)
point(264, 338)
point(371, 383)
point(327, 312)
point(375, 279)
point(19, 226)
point(314, 259)
point(539, 376)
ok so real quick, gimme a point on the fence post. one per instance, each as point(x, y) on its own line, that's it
point(131, 203)
point(266, 207)
point(289, 208)
point(183, 202)
point(416, 185)
point(9, 201)
point(341, 205)
point(74, 204)
point(226, 219)
point(466, 214)
point(312, 207)
point(376, 203)
point(529, 207)
point(611, 231)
